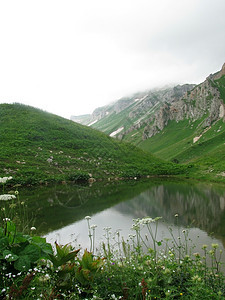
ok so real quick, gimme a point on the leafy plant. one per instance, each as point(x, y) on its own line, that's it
point(88, 268)
point(63, 255)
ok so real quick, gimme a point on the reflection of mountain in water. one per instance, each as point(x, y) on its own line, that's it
point(57, 206)
point(198, 205)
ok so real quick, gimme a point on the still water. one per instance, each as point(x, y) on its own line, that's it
point(60, 210)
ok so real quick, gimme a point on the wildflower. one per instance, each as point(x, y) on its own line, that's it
point(196, 278)
point(204, 246)
point(6, 220)
point(4, 179)
point(181, 294)
point(7, 197)
point(176, 215)
point(16, 193)
point(146, 220)
point(33, 228)
point(93, 226)
point(196, 254)
point(107, 228)
point(215, 246)
point(87, 218)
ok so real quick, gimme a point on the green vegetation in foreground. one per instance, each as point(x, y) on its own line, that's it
point(37, 146)
point(140, 268)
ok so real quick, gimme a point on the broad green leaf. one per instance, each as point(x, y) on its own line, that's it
point(4, 242)
point(32, 251)
point(23, 263)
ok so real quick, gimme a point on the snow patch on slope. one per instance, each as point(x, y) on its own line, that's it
point(116, 131)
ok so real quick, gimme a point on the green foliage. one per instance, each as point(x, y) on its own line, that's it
point(63, 255)
point(88, 268)
point(220, 84)
point(78, 177)
point(21, 251)
point(130, 270)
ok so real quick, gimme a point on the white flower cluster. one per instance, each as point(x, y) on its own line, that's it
point(144, 221)
point(8, 256)
point(93, 226)
point(7, 197)
point(4, 179)
point(6, 219)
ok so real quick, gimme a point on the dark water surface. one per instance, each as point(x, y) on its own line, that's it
point(60, 210)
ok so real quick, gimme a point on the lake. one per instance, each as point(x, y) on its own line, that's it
point(59, 211)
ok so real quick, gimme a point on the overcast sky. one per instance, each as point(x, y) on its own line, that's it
point(70, 56)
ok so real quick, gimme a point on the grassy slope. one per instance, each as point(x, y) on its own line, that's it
point(30, 136)
point(175, 142)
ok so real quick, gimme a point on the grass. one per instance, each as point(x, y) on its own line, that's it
point(38, 147)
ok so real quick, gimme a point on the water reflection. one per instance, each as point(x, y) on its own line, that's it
point(59, 211)
point(200, 207)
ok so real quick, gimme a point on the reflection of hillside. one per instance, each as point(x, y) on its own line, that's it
point(202, 206)
point(57, 206)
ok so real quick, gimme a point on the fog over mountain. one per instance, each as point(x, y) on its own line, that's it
point(70, 57)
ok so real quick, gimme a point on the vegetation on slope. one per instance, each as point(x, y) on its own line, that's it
point(175, 143)
point(37, 147)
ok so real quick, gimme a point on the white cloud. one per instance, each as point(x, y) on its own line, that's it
point(69, 57)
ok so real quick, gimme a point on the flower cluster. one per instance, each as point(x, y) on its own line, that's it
point(4, 179)
point(7, 197)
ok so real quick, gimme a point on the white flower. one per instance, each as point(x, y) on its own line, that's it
point(107, 228)
point(4, 179)
point(7, 197)
point(93, 226)
point(147, 220)
point(33, 228)
point(6, 219)
point(87, 218)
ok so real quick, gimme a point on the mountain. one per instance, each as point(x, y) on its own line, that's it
point(181, 124)
point(39, 147)
point(129, 114)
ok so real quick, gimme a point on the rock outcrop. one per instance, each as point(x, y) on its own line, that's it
point(149, 112)
point(203, 100)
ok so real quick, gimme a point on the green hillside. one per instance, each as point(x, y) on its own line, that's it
point(36, 146)
point(175, 143)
